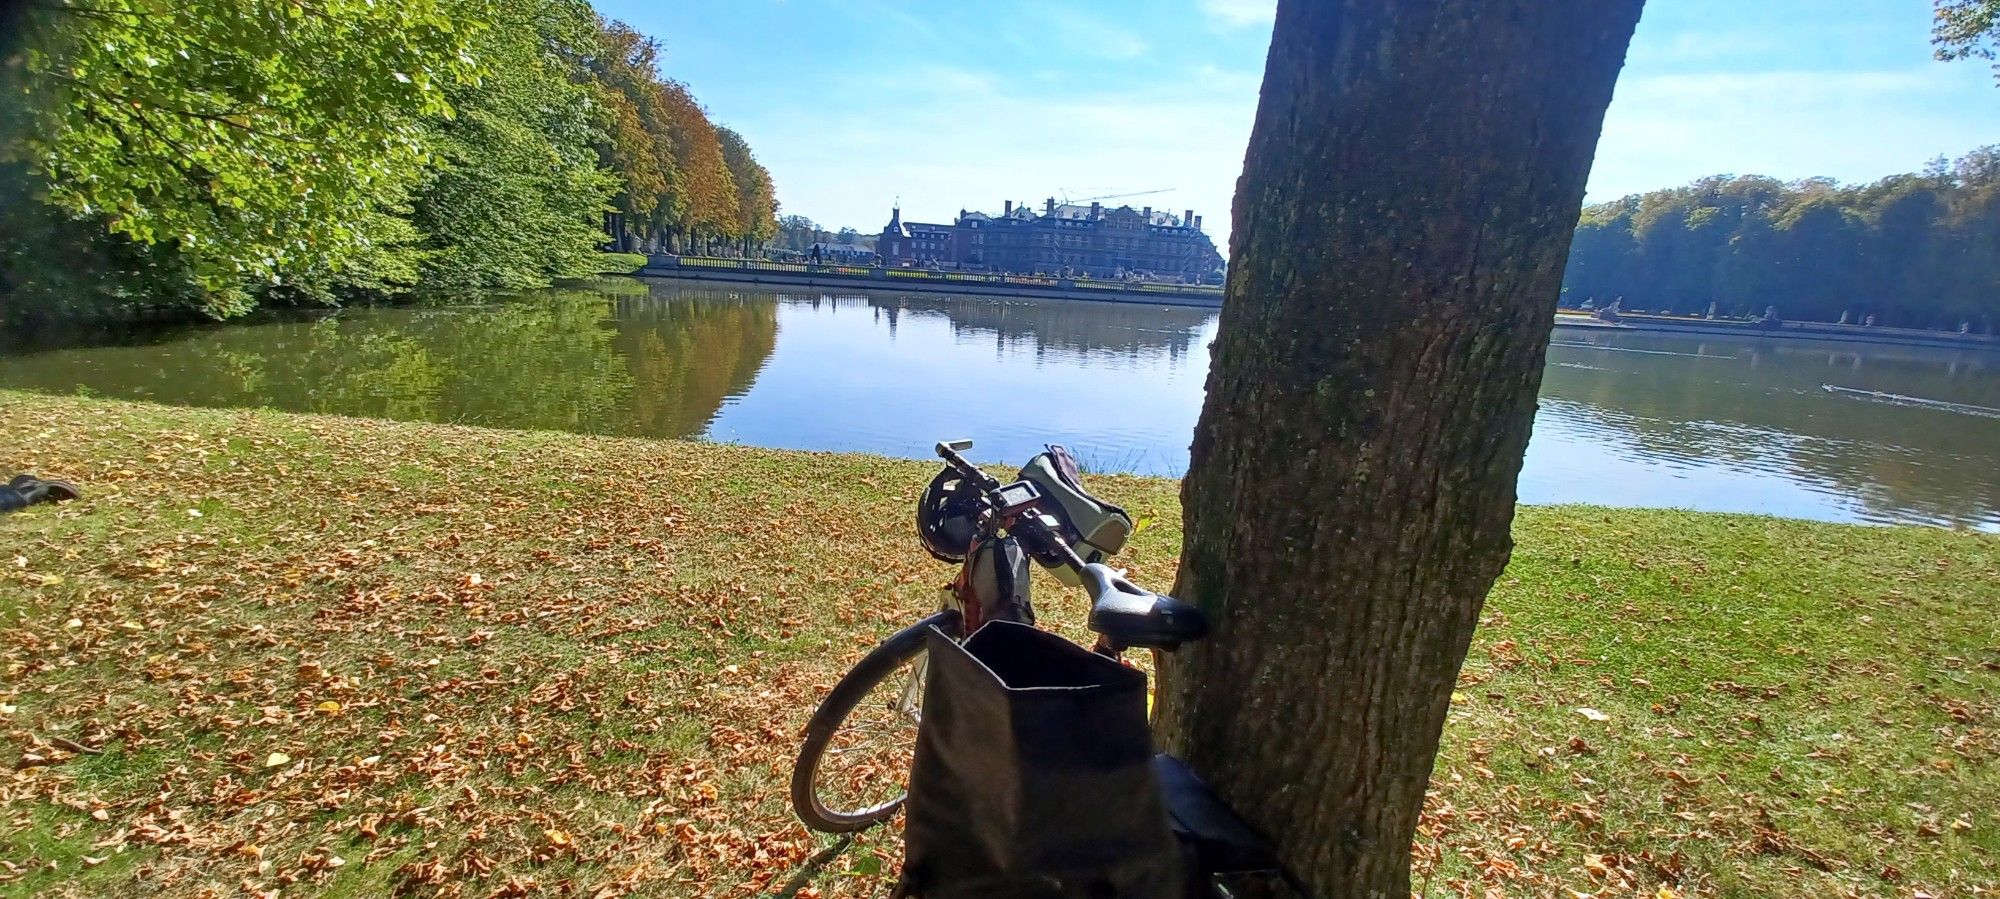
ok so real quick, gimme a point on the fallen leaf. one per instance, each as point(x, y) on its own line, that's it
point(1593, 714)
point(276, 759)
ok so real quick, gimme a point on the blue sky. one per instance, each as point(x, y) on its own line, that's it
point(954, 104)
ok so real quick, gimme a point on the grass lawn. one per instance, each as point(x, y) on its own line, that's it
point(620, 263)
point(331, 657)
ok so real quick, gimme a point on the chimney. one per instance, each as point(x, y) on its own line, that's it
point(1051, 209)
point(1197, 223)
point(1148, 214)
point(1095, 208)
point(1187, 219)
point(1010, 208)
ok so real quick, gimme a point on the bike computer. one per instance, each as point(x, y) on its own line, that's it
point(1017, 496)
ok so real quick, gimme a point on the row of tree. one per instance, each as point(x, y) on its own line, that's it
point(1919, 250)
point(208, 158)
point(684, 183)
point(798, 233)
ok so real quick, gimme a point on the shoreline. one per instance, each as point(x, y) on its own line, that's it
point(1807, 331)
point(766, 274)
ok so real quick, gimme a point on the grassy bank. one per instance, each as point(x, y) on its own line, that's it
point(336, 657)
point(620, 263)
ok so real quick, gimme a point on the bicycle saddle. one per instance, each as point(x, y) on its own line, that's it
point(1131, 616)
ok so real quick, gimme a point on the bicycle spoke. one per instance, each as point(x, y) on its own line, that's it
point(867, 761)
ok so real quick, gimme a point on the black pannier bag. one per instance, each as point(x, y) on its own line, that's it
point(1034, 775)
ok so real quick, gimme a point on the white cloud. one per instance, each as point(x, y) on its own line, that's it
point(1855, 126)
point(1077, 32)
point(961, 138)
point(1240, 13)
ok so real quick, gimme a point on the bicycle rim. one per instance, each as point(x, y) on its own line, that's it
point(861, 775)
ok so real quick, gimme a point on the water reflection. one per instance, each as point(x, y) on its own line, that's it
point(655, 367)
point(1749, 424)
point(1626, 419)
point(1064, 330)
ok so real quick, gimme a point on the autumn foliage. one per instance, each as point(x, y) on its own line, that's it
point(205, 159)
point(292, 655)
point(686, 182)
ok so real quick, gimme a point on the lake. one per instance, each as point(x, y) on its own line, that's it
point(1840, 432)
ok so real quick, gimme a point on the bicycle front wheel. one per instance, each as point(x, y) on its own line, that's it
point(854, 767)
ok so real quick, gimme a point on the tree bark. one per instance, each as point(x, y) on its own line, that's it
point(1413, 178)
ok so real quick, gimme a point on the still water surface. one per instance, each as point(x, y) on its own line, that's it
point(1723, 424)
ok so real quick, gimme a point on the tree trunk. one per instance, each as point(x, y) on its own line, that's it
point(1413, 179)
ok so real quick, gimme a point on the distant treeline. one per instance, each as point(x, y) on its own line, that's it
point(1918, 250)
point(207, 158)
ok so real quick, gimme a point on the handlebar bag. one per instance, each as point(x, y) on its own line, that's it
point(1033, 775)
point(1000, 580)
point(1094, 528)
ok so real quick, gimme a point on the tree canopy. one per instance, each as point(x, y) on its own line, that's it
point(683, 179)
point(514, 195)
point(756, 196)
point(1916, 250)
point(1967, 29)
point(210, 157)
point(250, 135)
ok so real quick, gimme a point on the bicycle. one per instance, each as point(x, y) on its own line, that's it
point(993, 530)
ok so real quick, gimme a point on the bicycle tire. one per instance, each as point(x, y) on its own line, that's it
point(873, 668)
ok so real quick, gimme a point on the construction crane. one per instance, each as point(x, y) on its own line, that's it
point(1068, 202)
point(1139, 193)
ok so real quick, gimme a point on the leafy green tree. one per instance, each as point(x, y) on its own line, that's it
point(705, 179)
point(514, 197)
point(1967, 29)
point(636, 147)
point(1913, 250)
point(796, 232)
point(98, 275)
point(756, 198)
point(206, 157)
point(255, 138)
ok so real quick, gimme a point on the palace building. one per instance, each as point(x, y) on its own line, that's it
point(1089, 240)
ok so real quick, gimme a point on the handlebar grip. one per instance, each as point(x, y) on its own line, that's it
point(948, 451)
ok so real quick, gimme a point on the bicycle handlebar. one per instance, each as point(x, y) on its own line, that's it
point(948, 451)
point(1122, 613)
point(1031, 525)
